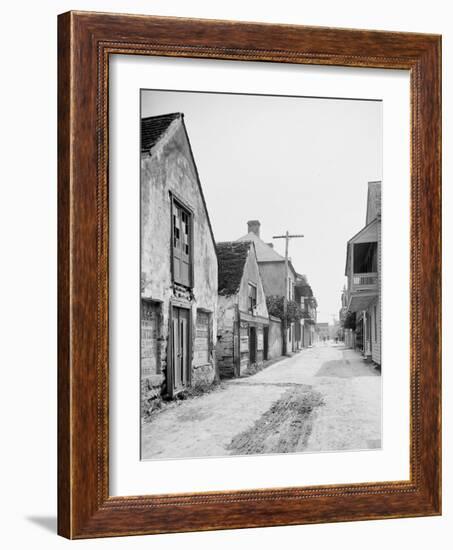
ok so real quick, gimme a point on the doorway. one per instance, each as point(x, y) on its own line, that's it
point(252, 345)
point(180, 349)
point(266, 343)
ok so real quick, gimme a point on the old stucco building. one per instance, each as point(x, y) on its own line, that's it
point(276, 282)
point(178, 265)
point(243, 320)
point(273, 273)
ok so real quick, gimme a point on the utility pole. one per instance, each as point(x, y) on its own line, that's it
point(287, 237)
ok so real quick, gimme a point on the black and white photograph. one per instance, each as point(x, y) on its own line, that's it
point(233, 235)
point(260, 274)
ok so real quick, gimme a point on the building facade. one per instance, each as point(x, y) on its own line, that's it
point(345, 331)
point(305, 328)
point(178, 265)
point(275, 280)
point(363, 271)
point(244, 339)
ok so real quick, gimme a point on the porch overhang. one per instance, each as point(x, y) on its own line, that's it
point(257, 319)
point(309, 321)
point(361, 300)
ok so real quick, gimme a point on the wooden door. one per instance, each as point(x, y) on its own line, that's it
point(180, 348)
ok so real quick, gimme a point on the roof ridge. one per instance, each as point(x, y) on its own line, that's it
point(175, 114)
point(153, 129)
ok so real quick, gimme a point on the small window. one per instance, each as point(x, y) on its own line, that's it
point(182, 245)
point(252, 297)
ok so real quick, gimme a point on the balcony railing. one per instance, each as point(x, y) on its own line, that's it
point(360, 282)
point(364, 279)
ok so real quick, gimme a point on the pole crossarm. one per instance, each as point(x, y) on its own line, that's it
point(288, 236)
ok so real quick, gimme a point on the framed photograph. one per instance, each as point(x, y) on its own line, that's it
point(249, 275)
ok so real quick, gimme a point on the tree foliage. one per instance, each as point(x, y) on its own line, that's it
point(275, 307)
point(350, 321)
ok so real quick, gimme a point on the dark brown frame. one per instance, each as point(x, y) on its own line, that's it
point(85, 41)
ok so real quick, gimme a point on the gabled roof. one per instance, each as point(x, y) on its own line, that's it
point(264, 252)
point(153, 127)
point(232, 257)
point(354, 237)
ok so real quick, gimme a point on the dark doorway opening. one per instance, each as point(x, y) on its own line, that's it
point(266, 343)
point(252, 345)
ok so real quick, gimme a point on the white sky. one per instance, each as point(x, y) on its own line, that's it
point(296, 164)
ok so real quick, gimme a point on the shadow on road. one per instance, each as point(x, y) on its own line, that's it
point(340, 368)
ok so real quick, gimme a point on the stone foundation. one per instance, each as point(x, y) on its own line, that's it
point(151, 393)
point(203, 375)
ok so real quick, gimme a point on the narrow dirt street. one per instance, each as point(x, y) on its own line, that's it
point(324, 398)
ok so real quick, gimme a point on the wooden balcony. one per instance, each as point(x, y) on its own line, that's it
point(363, 289)
point(363, 281)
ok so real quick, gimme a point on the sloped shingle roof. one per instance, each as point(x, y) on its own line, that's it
point(232, 257)
point(153, 127)
point(264, 253)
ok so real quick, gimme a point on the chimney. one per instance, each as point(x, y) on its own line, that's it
point(254, 227)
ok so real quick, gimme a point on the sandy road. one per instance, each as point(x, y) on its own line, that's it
point(322, 399)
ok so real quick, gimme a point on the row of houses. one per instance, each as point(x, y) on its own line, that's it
point(360, 312)
point(204, 305)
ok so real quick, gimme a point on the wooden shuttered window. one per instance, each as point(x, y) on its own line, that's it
point(182, 245)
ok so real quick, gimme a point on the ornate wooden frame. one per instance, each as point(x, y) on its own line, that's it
point(85, 41)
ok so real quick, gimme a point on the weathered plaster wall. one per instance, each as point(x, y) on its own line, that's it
point(171, 169)
point(275, 338)
point(273, 278)
point(203, 373)
point(225, 355)
point(251, 274)
point(153, 354)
